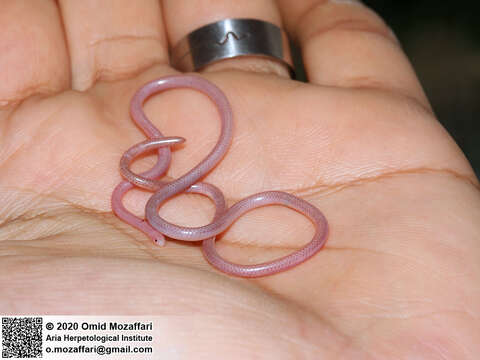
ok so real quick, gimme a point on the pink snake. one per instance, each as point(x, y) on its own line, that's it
point(156, 227)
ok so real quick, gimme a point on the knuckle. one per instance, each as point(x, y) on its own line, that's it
point(327, 17)
point(116, 58)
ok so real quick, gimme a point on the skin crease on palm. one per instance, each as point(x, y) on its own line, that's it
point(399, 277)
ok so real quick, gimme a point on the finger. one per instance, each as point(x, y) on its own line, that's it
point(112, 39)
point(346, 44)
point(33, 56)
point(184, 16)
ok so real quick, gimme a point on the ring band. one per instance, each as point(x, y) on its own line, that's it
point(231, 38)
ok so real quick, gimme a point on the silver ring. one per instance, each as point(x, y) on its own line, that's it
point(231, 38)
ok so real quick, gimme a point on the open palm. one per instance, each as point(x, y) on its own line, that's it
point(399, 277)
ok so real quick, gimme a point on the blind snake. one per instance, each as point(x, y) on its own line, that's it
point(156, 227)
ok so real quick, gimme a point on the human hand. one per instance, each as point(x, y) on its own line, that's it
point(399, 275)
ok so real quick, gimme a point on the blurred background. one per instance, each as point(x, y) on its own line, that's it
point(442, 40)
